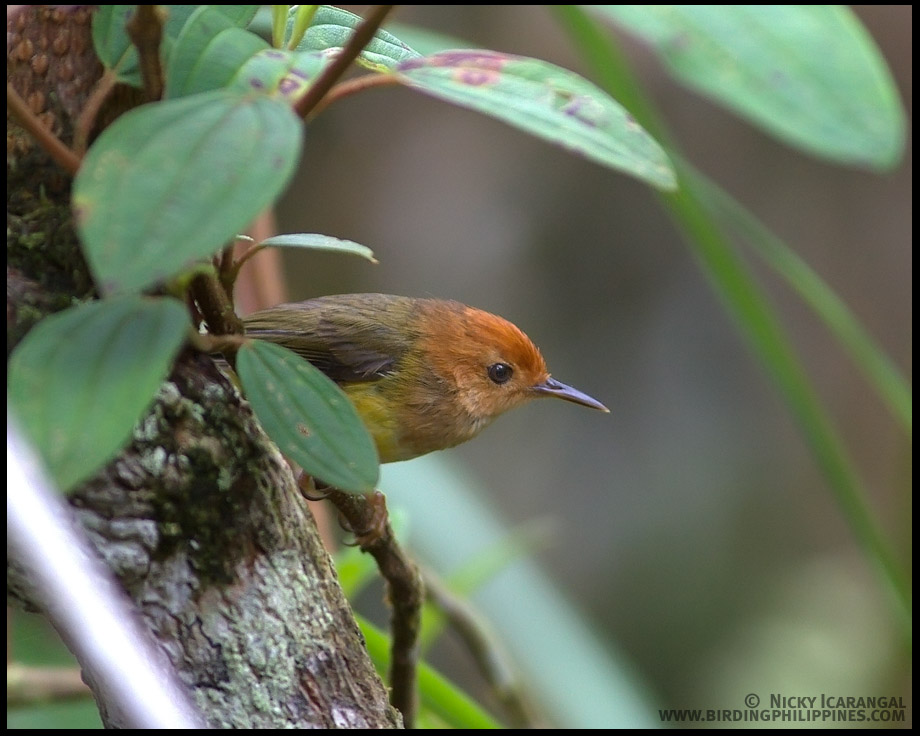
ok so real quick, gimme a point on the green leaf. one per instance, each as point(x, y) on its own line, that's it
point(486, 564)
point(279, 19)
point(208, 53)
point(82, 378)
point(546, 101)
point(520, 541)
point(169, 183)
point(809, 74)
point(425, 41)
point(314, 241)
point(436, 694)
point(301, 18)
point(759, 324)
point(240, 15)
point(332, 27)
point(112, 44)
point(879, 370)
point(115, 48)
point(310, 419)
point(110, 40)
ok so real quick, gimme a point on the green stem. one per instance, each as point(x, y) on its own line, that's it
point(881, 372)
point(749, 307)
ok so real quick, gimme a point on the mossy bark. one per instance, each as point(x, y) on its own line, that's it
point(199, 518)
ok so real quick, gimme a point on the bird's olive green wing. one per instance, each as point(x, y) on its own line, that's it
point(351, 338)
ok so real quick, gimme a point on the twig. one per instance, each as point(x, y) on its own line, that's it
point(352, 86)
point(404, 591)
point(233, 269)
point(145, 29)
point(227, 269)
point(215, 305)
point(211, 344)
point(76, 590)
point(90, 112)
point(262, 284)
point(27, 685)
point(493, 662)
point(362, 36)
point(53, 146)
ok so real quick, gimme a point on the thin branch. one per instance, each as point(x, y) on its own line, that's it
point(53, 146)
point(493, 662)
point(90, 112)
point(224, 259)
point(366, 515)
point(146, 31)
point(87, 607)
point(215, 305)
point(234, 269)
point(353, 86)
point(262, 284)
point(211, 344)
point(227, 269)
point(27, 685)
point(362, 36)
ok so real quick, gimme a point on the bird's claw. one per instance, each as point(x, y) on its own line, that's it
point(310, 490)
point(376, 526)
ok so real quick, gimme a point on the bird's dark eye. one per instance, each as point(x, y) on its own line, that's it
point(500, 373)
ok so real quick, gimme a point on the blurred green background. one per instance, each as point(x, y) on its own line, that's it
point(691, 525)
point(691, 529)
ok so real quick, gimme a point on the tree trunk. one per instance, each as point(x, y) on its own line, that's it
point(199, 518)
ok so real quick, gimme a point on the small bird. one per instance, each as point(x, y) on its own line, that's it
point(424, 374)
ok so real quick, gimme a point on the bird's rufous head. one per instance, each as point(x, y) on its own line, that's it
point(493, 364)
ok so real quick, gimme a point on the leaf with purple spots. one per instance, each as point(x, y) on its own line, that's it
point(279, 73)
point(544, 100)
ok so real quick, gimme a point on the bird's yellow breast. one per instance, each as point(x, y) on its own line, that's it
point(405, 423)
point(377, 413)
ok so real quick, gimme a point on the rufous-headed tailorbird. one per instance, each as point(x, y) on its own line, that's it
point(424, 374)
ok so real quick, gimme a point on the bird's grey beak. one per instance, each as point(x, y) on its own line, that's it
point(552, 387)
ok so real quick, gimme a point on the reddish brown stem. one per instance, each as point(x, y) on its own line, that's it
point(52, 145)
point(404, 591)
point(146, 31)
point(215, 305)
point(362, 36)
point(353, 86)
point(90, 112)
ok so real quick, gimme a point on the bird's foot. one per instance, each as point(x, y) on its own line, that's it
point(374, 520)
